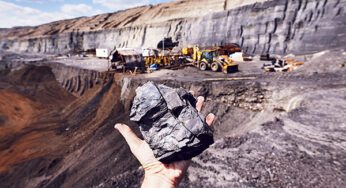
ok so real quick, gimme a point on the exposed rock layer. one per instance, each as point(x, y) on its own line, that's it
point(280, 26)
point(76, 80)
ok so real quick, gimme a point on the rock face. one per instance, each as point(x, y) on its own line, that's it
point(75, 80)
point(170, 123)
point(280, 26)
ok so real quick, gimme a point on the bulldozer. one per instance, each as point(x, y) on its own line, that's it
point(211, 59)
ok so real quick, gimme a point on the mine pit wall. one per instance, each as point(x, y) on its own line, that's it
point(245, 95)
point(76, 80)
point(279, 27)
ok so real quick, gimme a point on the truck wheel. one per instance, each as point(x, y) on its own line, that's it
point(203, 66)
point(215, 67)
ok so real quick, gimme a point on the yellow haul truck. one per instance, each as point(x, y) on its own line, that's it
point(211, 59)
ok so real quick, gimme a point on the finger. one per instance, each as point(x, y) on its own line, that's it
point(131, 138)
point(210, 119)
point(140, 149)
point(199, 104)
point(192, 93)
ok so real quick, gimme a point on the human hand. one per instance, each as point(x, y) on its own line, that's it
point(156, 173)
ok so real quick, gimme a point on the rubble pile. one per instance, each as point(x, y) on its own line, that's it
point(281, 65)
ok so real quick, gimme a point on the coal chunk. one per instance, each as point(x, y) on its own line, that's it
point(170, 123)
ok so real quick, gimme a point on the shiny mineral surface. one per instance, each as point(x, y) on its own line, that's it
point(170, 123)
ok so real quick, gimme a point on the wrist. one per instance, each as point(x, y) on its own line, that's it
point(157, 180)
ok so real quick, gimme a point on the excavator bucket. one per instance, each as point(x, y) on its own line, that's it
point(231, 69)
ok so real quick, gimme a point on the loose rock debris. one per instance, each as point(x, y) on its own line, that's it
point(170, 122)
point(281, 65)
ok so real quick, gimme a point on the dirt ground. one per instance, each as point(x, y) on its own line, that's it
point(271, 129)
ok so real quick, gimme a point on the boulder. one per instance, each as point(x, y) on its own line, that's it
point(170, 123)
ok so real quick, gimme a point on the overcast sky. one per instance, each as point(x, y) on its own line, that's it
point(36, 12)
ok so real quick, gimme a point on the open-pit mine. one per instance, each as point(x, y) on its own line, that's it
point(280, 116)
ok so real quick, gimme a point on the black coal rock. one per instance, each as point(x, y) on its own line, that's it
point(170, 123)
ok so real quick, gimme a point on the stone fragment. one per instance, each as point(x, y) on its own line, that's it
point(170, 123)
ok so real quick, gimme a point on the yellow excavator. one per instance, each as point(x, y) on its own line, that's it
point(162, 61)
point(211, 59)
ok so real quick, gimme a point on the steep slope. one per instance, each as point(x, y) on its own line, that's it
point(44, 130)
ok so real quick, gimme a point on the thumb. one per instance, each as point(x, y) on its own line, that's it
point(131, 138)
point(138, 147)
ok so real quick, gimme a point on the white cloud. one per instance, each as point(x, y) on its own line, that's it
point(75, 10)
point(72, 9)
point(122, 4)
point(15, 15)
point(12, 14)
